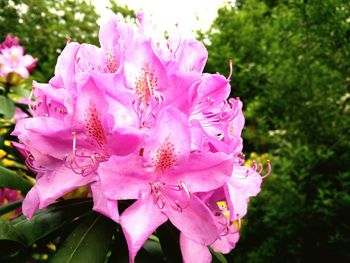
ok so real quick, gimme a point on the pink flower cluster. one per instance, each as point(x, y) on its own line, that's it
point(13, 60)
point(8, 195)
point(137, 119)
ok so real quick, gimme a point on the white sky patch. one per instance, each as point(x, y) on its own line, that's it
point(190, 15)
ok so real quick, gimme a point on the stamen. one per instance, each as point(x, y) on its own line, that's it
point(159, 190)
point(254, 166)
point(30, 101)
point(146, 83)
point(187, 192)
point(259, 168)
point(231, 69)
point(82, 164)
point(268, 169)
point(74, 137)
point(239, 222)
point(146, 111)
point(150, 88)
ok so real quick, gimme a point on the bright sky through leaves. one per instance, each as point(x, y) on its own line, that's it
point(191, 15)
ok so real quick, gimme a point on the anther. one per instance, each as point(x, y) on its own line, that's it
point(260, 168)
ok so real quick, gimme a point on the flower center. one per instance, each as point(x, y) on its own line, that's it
point(112, 64)
point(145, 83)
point(165, 156)
point(94, 126)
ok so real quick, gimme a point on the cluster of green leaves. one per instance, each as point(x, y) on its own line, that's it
point(291, 68)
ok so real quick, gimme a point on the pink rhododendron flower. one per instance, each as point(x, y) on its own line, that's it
point(8, 196)
point(13, 59)
point(137, 119)
point(9, 42)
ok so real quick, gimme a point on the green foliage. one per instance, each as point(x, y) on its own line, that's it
point(10, 179)
point(291, 67)
point(89, 242)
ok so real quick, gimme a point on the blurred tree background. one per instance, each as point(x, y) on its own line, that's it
point(292, 69)
point(44, 26)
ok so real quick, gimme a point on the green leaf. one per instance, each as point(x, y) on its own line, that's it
point(49, 220)
point(149, 253)
point(21, 91)
point(169, 240)
point(218, 257)
point(10, 240)
point(88, 243)
point(7, 108)
point(10, 179)
point(9, 207)
point(119, 249)
point(154, 249)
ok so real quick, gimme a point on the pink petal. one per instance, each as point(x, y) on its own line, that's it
point(139, 55)
point(195, 221)
point(193, 56)
point(102, 204)
point(226, 243)
point(65, 67)
point(139, 221)
point(246, 180)
point(236, 202)
point(125, 140)
point(89, 58)
point(30, 203)
point(172, 126)
point(22, 71)
point(54, 184)
point(49, 136)
point(193, 252)
point(204, 171)
point(124, 177)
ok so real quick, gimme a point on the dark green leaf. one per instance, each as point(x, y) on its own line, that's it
point(154, 249)
point(89, 242)
point(217, 257)
point(7, 108)
point(151, 252)
point(9, 207)
point(51, 219)
point(119, 249)
point(10, 239)
point(169, 240)
point(12, 180)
